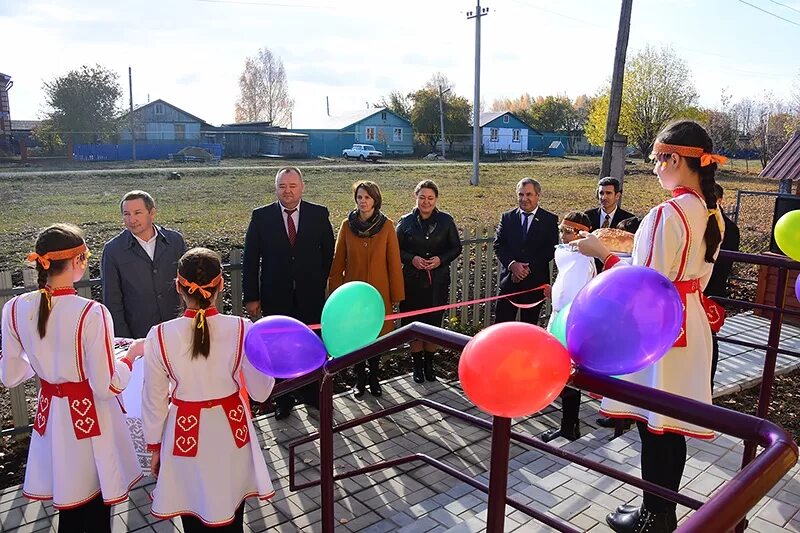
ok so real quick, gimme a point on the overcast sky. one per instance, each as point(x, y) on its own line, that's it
point(191, 52)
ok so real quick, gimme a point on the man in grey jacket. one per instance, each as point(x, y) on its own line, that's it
point(138, 269)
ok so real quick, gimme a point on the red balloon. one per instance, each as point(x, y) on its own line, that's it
point(513, 369)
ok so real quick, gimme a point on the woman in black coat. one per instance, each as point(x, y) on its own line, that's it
point(429, 242)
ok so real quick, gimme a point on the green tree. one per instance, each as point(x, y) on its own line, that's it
point(84, 104)
point(551, 113)
point(458, 119)
point(424, 113)
point(396, 102)
point(596, 120)
point(657, 90)
point(47, 137)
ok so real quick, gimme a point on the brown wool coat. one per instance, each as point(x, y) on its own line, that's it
point(375, 260)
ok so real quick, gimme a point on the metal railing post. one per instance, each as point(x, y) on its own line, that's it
point(326, 452)
point(498, 474)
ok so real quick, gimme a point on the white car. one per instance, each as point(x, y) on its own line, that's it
point(362, 152)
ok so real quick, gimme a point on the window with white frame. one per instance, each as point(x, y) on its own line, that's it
point(506, 118)
point(159, 109)
point(398, 134)
point(514, 136)
point(370, 134)
point(494, 134)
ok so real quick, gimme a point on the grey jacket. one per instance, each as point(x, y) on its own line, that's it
point(140, 293)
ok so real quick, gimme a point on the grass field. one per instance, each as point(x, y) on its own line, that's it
point(212, 205)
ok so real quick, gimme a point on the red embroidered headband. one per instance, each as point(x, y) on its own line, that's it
point(690, 151)
point(574, 225)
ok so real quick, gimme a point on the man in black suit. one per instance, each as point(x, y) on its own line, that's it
point(288, 252)
point(609, 214)
point(524, 244)
point(718, 282)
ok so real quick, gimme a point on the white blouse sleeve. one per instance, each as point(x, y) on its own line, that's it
point(259, 385)
point(14, 364)
point(107, 376)
point(155, 395)
point(660, 241)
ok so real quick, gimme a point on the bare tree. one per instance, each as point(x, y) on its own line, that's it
point(264, 91)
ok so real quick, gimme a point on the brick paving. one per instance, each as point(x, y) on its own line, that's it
point(419, 498)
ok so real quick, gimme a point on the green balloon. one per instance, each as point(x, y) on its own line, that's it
point(352, 318)
point(787, 234)
point(558, 328)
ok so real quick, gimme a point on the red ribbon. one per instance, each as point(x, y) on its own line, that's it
point(446, 307)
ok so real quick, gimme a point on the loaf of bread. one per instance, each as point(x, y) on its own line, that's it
point(616, 240)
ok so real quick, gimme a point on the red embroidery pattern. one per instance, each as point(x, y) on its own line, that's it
point(81, 407)
point(187, 423)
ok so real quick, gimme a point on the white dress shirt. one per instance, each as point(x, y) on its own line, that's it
point(149, 245)
point(295, 218)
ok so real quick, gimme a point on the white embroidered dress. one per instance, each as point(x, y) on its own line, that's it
point(77, 346)
point(213, 483)
point(670, 240)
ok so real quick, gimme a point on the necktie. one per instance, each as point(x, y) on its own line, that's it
point(606, 220)
point(525, 223)
point(290, 227)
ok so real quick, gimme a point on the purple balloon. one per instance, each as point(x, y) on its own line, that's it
point(624, 320)
point(797, 288)
point(283, 347)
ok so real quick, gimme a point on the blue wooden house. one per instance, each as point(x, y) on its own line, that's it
point(387, 131)
point(160, 121)
point(503, 131)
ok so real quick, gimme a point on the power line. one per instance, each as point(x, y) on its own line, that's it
point(556, 13)
point(770, 13)
point(785, 5)
point(263, 4)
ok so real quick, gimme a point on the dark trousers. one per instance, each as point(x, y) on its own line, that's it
point(193, 525)
point(663, 461)
point(91, 517)
point(714, 358)
point(570, 407)
point(507, 312)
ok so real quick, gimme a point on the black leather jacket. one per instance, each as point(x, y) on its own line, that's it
point(441, 240)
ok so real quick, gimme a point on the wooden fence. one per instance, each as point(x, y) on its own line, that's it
point(475, 274)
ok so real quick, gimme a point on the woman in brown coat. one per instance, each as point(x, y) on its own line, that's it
point(367, 250)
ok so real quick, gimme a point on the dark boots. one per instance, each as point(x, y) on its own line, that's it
point(569, 432)
point(416, 359)
point(640, 520)
point(428, 366)
point(362, 379)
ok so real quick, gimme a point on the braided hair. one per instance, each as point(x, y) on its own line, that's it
point(690, 133)
point(200, 265)
point(51, 239)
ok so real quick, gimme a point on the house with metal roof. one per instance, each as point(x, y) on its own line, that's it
point(387, 131)
point(503, 131)
point(785, 166)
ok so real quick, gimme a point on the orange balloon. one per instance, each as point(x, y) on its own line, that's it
point(513, 369)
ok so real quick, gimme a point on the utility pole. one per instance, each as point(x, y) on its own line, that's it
point(615, 101)
point(476, 103)
point(441, 116)
point(133, 132)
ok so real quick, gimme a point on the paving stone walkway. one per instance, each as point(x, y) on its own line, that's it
point(419, 498)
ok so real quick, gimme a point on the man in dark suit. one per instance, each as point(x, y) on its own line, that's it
point(524, 244)
point(288, 252)
point(608, 214)
point(138, 268)
point(718, 283)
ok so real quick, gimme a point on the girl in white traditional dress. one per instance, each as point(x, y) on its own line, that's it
point(205, 452)
point(81, 455)
point(680, 238)
point(574, 272)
